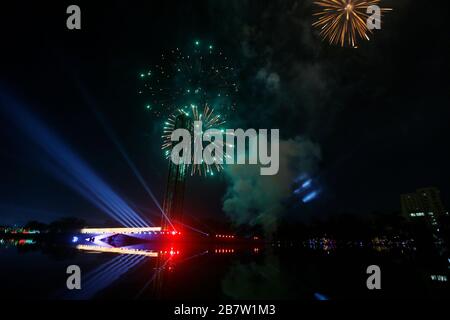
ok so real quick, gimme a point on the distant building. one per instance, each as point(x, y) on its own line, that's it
point(425, 202)
point(425, 206)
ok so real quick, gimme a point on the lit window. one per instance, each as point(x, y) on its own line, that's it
point(440, 278)
point(420, 214)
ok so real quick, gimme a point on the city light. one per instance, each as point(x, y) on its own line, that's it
point(227, 236)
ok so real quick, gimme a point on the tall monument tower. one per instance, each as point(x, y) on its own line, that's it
point(174, 196)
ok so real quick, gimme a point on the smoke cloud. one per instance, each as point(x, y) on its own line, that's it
point(255, 199)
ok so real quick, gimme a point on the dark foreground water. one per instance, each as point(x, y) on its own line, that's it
point(291, 271)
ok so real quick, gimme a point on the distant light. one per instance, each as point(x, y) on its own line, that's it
point(197, 43)
point(440, 278)
point(320, 297)
point(148, 107)
point(142, 75)
point(307, 183)
point(311, 196)
point(210, 47)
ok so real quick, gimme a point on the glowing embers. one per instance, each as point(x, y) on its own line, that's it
point(119, 230)
point(125, 250)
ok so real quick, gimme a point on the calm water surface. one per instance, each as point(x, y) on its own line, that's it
point(31, 270)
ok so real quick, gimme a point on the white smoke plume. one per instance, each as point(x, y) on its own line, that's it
point(255, 199)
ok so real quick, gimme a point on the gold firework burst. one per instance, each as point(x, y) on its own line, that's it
point(343, 22)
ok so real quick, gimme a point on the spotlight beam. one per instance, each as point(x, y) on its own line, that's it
point(130, 163)
point(68, 161)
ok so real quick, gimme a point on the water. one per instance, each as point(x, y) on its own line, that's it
point(31, 270)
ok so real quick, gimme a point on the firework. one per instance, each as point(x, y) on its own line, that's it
point(343, 22)
point(210, 121)
point(201, 74)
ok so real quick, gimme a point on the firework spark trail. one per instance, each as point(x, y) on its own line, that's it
point(210, 121)
point(343, 22)
point(197, 75)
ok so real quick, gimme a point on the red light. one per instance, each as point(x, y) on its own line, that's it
point(174, 233)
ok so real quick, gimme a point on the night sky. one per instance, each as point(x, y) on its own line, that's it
point(371, 123)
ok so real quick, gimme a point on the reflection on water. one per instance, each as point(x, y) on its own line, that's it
point(6, 243)
point(104, 275)
point(318, 269)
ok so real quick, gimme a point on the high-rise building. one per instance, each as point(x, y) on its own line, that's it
point(425, 207)
point(425, 202)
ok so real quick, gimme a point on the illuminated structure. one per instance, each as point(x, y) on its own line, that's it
point(121, 238)
point(425, 207)
point(119, 230)
point(425, 202)
point(174, 196)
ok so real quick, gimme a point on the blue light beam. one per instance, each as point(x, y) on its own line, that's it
point(88, 183)
point(310, 196)
point(130, 163)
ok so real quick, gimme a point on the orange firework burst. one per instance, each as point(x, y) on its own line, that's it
point(343, 22)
